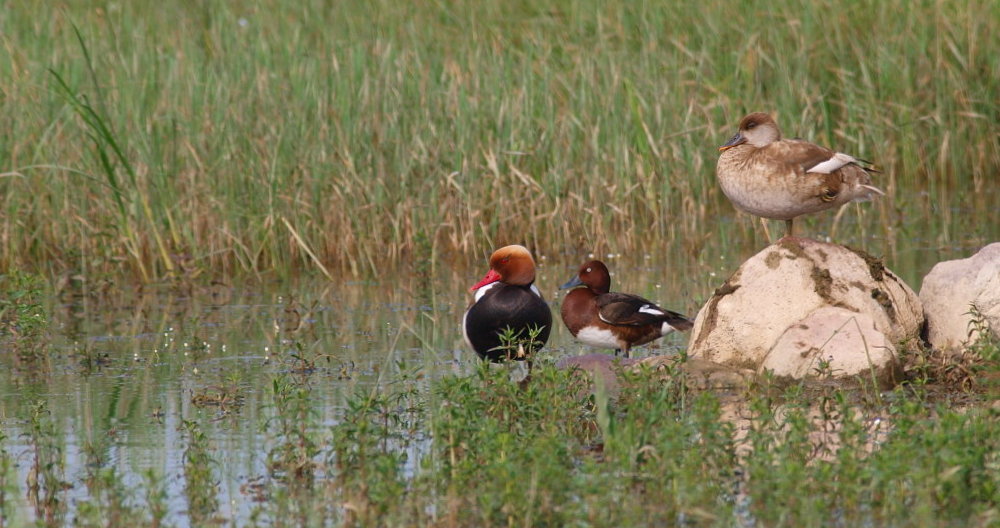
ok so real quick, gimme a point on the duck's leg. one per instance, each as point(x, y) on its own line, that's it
point(523, 384)
point(767, 232)
point(618, 351)
point(788, 228)
point(836, 219)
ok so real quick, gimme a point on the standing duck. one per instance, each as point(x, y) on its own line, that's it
point(507, 309)
point(602, 319)
point(780, 179)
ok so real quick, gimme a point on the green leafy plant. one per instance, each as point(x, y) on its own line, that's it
point(200, 484)
point(23, 317)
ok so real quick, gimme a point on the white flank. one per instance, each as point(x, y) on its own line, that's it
point(648, 308)
point(666, 329)
point(837, 161)
point(598, 338)
point(537, 292)
point(482, 291)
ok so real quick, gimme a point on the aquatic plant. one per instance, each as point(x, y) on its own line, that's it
point(200, 484)
point(23, 317)
point(6, 486)
point(293, 426)
point(46, 482)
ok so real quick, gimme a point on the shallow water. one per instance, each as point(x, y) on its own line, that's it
point(127, 366)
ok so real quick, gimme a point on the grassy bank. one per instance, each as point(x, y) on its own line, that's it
point(222, 139)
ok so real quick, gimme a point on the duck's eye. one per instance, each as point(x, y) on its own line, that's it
point(588, 270)
point(505, 259)
point(750, 125)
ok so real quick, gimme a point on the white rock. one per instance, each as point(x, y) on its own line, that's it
point(951, 289)
point(833, 343)
point(786, 282)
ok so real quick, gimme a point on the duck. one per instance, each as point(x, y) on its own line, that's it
point(507, 302)
point(781, 179)
point(600, 318)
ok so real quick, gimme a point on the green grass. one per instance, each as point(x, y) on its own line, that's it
point(549, 453)
point(275, 136)
point(485, 450)
point(24, 321)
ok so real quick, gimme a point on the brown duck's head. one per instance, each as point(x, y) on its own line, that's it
point(593, 274)
point(510, 264)
point(757, 129)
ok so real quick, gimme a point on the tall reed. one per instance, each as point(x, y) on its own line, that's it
point(274, 136)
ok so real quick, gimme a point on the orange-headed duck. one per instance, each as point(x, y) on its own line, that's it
point(507, 302)
point(602, 319)
point(780, 179)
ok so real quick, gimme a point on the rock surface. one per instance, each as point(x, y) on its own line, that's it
point(952, 288)
point(698, 373)
point(786, 282)
point(702, 374)
point(834, 343)
point(600, 367)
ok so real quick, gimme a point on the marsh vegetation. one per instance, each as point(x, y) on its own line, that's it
point(272, 137)
point(233, 251)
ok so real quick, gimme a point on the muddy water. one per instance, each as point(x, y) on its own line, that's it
point(126, 367)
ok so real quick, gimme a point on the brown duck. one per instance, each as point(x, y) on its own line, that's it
point(600, 318)
point(767, 176)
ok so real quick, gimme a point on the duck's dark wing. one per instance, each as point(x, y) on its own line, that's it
point(631, 310)
point(515, 311)
point(810, 157)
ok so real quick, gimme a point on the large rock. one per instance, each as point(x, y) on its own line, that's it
point(700, 373)
point(834, 343)
point(953, 288)
point(788, 281)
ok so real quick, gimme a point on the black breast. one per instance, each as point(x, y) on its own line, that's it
point(512, 310)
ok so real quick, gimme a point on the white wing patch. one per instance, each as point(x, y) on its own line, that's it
point(837, 161)
point(482, 291)
point(465, 333)
point(536, 291)
point(650, 309)
point(666, 329)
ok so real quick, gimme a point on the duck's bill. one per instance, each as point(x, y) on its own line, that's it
point(737, 139)
point(572, 283)
point(491, 277)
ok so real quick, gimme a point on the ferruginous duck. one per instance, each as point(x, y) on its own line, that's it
point(603, 319)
